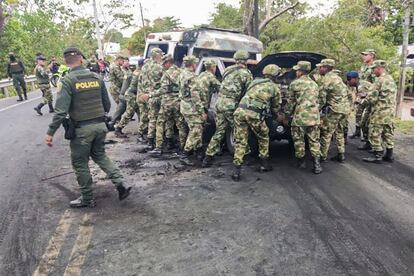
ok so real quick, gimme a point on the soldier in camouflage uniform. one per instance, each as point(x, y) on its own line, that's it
point(362, 108)
point(204, 86)
point(131, 99)
point(334, 102)
point(169, 115)
point(343, 124)
point(303, 107)
point(42, 75)
point(116, 77)
point(151, 80)
point(383, 103)
point(262, 99)
point(236, 79)
point(186, 82)
point(143, 107)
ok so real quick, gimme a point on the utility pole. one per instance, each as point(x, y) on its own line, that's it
point(97, 29)
point(403, 66)
point(143, 21)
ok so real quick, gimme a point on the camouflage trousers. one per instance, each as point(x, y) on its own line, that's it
point(114, 91)
point(46, 93)
point(330, 123)
point(195, 135)
point(154, 105)
point(343, 126)
point(365, 121)
point(168, 117)
point(131, 108)
point(143, 108)
point(381, 135)
point(224, 120)
point(313, 135)
point(245, 120)
point(359, 110)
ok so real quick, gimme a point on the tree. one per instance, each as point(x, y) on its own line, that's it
point(113, 35)
point(227, 17)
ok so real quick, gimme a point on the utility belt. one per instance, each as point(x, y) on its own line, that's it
point(264, 113)
point(70, 125)
point(91, 121)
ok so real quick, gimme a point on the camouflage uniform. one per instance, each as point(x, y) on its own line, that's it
point(201, 92)
point(169, 114)
point(383, 102)
point(363, 108)
point(334, 99)
point(42, 76)
point(235, 81)
point(131, 102)
point(143, 107)
point(116, 77)
point(303, 106)
point(151, 77)
point(262, 95)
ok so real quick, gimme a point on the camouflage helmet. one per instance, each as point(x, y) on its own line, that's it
point(156, 51)
point(241, 55)
point(191, 59)
point(210, 63)
point(369, 52)
point(167, 58)
point(327, 62)
point(303, 66)
point(271, 70)
point(379, 63)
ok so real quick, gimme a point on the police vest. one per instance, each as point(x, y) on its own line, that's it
point(86, 96)
point(15, 68)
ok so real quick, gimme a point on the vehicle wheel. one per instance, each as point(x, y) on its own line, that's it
point(230, 142)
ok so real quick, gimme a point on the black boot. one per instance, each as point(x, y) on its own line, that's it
point(389, 156)
point(377, 158)
point(365, 146)
point(110, 125)
point(25, 95)
point(38, 108)
point(236, 173)
point(170, 143)
point(151, 144)
point(339, 158)
point(20, 99)
point(207, 161)
point(119, 134)
point(301, 163)
point(157, 152)
point(200, 154)
point(80, 203)
point(317, 168)
point(141, 139)
point(123, 192)
point(51, 109)
point(265, 165)
point(357, 133)
point(185, 159)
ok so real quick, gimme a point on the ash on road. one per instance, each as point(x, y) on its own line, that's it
point(354, 219)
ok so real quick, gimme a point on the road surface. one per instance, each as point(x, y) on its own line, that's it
point(354, 219)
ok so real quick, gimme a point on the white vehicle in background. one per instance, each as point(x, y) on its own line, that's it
point(203, 42)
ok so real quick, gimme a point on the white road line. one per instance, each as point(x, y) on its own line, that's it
point(79, 250)
point(15, 105)
point(55, 245)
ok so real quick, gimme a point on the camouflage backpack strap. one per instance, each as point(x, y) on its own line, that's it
point(256, 82)
point(173, 84)
point(230, 71)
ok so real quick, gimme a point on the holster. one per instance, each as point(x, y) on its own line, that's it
point(70, 128)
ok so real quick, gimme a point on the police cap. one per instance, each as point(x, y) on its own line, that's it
point(72, 51)
point(352, 75)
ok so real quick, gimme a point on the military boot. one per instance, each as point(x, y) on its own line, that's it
point(80, 203)
point(157, 152)
point(200, 154)
point(357, 133)
point(365, 146)
point(317, 168)
point(25, 95)
point(123, 192)
point(236, 173)
point(185, 159)
point(151, 144)
point(207, 161)
point(170, 143)
point(20, 99)
point(38, 108)
point(301, 163)
point(339, 158)
point(110, 125)
point(265, 165)
point(377, 158)
point(51, 109)
point(119, 134)
point(141, 139)
point(389, 156)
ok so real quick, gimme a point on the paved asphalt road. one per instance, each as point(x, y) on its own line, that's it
point(354, 219)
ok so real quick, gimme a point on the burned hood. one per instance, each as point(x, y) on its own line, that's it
point(287, 60)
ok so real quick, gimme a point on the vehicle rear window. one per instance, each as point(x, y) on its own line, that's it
point(162, 46)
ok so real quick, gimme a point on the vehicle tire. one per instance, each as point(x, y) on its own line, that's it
point(230, 142)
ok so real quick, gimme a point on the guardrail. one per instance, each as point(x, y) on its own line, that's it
point(5, 84)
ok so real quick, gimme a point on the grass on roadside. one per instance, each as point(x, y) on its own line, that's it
point(405, 127)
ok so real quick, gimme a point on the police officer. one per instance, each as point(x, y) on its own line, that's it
point(82, 95)
point(262, 100)
point(42, 76)
point(16, 71)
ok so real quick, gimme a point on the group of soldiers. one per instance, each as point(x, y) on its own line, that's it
point(318, 107)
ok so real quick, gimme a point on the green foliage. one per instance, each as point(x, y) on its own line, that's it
point(227, 16)
point(113, 35)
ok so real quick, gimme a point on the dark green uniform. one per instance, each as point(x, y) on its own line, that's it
point(16, 71)
point(82, 95)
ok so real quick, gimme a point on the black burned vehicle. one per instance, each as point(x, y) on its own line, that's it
point(279, 128)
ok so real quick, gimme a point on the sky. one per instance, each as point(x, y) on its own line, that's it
point(196, 12)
